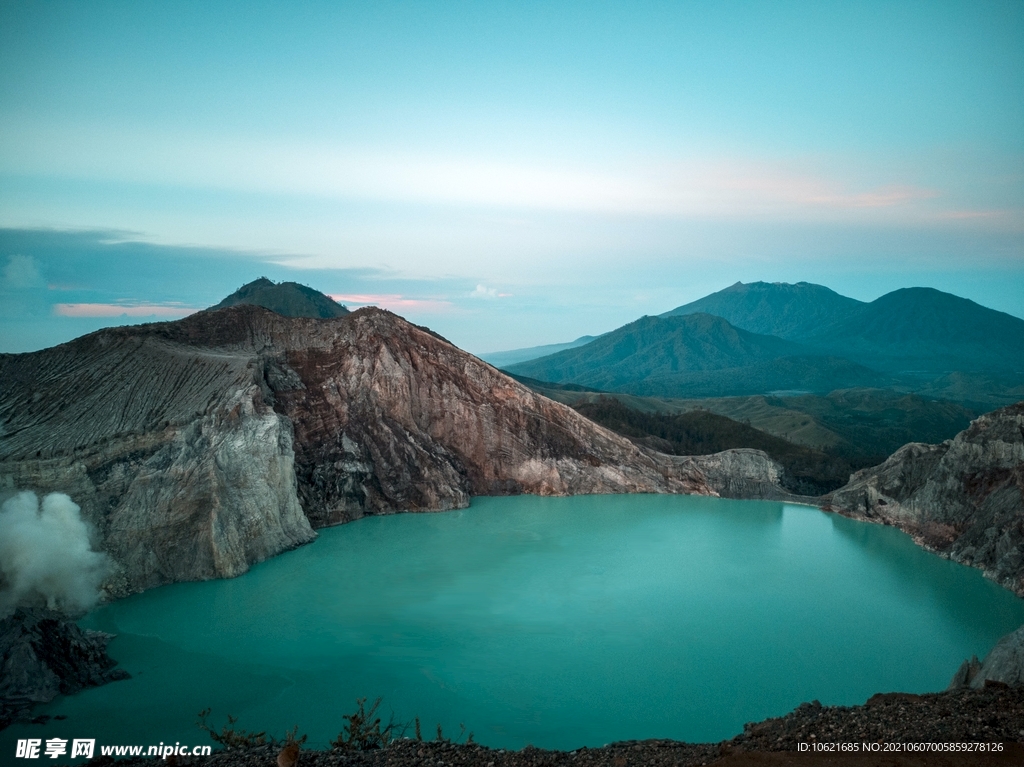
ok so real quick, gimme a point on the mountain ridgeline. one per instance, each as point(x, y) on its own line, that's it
point(198, 447)
point(763, 338)
point(794, 312)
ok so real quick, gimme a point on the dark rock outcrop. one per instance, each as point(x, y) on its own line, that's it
point(43, 655)
point(199, 447)
point(963, 498)
point(287, 298)
point(1004, 664)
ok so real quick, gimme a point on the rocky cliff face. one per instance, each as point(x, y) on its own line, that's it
point(179, 463)
point(198, 447)
point(963, 498)
point(1004, 664)
point(43, 655)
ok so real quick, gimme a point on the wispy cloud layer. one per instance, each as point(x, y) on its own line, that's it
point(731, 185)
point(141, 309)
point(395, 302)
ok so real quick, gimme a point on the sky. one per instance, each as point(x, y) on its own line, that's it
point(509, 174)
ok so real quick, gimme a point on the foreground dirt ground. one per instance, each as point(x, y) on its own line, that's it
point(993, 716)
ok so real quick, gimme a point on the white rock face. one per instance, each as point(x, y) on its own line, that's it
point(203, 499)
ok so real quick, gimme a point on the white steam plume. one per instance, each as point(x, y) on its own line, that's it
point(45, 555)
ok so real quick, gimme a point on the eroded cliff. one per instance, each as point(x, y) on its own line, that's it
point(963, 498)
point(199, 447)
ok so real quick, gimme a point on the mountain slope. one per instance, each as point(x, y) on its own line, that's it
point(701, 432)
point(289, 299)
point(922, 329)
point(792, 375)
point(861, 426)
point(793, 312)
point(198, 447)
point(695, 355)
point(911, 330)
point(654, 346)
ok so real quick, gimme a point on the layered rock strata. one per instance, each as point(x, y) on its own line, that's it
point(199, 447)
point(963, 498)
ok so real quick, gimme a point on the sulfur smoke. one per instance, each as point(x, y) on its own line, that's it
point(45, 555)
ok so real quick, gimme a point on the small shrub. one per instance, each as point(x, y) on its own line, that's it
point(289, 737)
point(363, 731)
point(229, 737)
point(442, 739)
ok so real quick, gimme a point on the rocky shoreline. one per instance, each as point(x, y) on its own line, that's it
point(991, 715)
point(962, 499)
point(42, 655)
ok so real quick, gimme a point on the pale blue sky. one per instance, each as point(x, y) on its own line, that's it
point(508, 174)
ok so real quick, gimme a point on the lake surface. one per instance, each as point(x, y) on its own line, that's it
point(557, 622)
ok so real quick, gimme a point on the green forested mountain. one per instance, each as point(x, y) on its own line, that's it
point(696, 355)
point(779, 309)
point(808, 471)
point(654, 347)
point(922, 329)
point(859, 427)
point(769, 337)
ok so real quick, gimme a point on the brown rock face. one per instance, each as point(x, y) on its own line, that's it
point(392, 418)
point(963, 498)
point(196, 448)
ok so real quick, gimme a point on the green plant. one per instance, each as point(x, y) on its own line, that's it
point(442, 739)
point(363, 729)
point(229, 737)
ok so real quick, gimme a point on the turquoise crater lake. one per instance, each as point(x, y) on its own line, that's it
point(557, 622)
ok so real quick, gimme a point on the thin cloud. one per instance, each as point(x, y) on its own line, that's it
point(175, 311)
point(482, 291)
point(961, 215)
point(695, 186)
point(21, 272)
point(394, 302)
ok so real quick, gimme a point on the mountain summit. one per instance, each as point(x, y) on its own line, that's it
point(289, 299)
point(793, 312)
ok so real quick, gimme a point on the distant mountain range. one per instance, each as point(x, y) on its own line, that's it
point(512, 356)
point(769, 337)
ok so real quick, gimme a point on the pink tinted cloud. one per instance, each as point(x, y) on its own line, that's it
point(394, 302)
point(960, 215)
point(120, 310)
point(761, 186)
